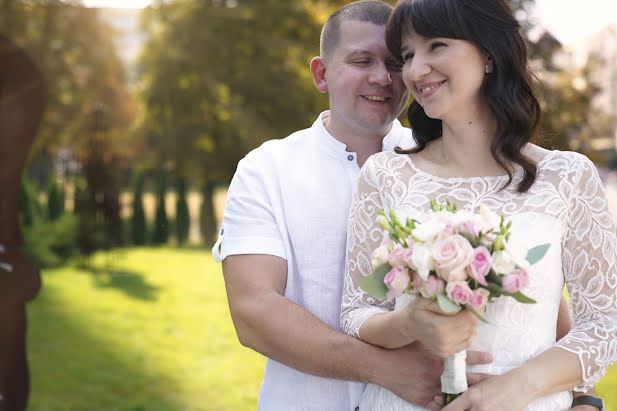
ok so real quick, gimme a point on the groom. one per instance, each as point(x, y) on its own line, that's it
point(282, 240)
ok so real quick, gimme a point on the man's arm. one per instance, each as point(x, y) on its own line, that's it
point(278, 328)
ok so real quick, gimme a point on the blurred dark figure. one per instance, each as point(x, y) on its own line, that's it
point(22, 102)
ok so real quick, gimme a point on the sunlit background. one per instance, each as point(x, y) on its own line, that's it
point(151, 105)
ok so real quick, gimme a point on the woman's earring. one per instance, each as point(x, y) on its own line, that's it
point(489, 67)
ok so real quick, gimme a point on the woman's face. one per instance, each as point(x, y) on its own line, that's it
point(444, 75)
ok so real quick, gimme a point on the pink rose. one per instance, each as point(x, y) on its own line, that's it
point(481, 265)
point(396, 257)
point(488, 238)
point(522, 276)
point(516, 280)
point(479, 298)
point(397, 280)
point(468, 227)
point(432, 286)
point(511, 282)
point(401, 256)
point(407, 255)
point(449, 229)
point(459, 292)
point(417, 282)
point(452, 255)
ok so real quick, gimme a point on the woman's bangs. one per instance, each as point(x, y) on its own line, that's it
point(434, 18)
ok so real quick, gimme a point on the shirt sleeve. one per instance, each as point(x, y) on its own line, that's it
point(363, 235)
point(249, 223)
point(589, 258)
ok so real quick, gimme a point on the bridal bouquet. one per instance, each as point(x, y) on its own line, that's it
point(458, 258)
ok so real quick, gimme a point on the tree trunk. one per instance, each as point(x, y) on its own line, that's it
point(207, 220)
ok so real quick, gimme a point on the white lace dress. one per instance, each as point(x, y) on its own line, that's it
point(566, 207)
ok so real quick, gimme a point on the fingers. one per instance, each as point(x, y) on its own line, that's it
point(478, 357)
point(474, 378)
point(433, 406)
point(433, 307)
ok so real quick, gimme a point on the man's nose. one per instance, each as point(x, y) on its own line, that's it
point(380, 75)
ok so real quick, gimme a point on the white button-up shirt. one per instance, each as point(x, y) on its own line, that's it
point(290, 198)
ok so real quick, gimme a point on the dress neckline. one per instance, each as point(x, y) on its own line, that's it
point(503, 177)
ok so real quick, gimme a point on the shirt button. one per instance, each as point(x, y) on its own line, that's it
point(350, 157)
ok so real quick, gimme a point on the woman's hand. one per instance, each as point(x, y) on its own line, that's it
point(499, 393)
point(444, 333)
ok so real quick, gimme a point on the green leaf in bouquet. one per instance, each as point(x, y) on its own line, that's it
point(494, 289)
point(520, 297)
point(492, 277)
point(447, 305)
point(472, 240)
point(373, 284)
point(535, 254)
point(477, 314)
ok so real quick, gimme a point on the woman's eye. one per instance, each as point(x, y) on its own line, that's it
point(407, 56)
point(437, 45)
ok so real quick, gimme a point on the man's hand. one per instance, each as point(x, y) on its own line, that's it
point(415, 373)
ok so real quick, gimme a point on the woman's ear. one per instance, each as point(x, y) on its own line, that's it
point(488, 68)
point(318, 69)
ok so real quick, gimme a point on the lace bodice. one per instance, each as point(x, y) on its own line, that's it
point(566, 207)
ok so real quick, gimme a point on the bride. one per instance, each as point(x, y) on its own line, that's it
point(474, 114)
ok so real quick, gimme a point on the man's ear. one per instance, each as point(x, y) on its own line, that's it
point(318, 69)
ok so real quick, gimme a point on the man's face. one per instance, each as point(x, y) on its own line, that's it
point(364, 81)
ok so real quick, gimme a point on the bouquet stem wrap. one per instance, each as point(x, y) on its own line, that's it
point(454, 377)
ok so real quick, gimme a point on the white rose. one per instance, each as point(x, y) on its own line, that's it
point(487, 219)
point(381, 255)
point(423, 259)
point(428, 230)
point(503, 263)
point(460, 217)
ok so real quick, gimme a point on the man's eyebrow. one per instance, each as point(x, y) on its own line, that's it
point(353, 52)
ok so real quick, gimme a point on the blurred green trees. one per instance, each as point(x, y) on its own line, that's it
point(216, 79)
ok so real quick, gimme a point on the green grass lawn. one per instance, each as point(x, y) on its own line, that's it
point(143, 329)
point(147, 329)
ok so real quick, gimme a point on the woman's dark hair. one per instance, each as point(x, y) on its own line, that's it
point(491, 26)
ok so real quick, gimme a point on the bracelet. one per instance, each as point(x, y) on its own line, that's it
point(588, 400)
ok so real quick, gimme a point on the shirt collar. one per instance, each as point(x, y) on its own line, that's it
point(398, 136)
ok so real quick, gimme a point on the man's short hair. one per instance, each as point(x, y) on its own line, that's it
point(371, 11)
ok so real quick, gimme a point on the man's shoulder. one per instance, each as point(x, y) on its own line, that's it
point(280, 146)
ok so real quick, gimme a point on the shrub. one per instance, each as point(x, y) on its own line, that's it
point(51, 243)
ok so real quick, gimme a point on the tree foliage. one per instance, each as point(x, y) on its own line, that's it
point(74, 49)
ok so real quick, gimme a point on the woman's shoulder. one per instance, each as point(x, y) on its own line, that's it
point(559, 158)
point(560, 165)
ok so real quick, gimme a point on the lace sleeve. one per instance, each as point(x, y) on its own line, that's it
point(589, 257)
point(363, 235)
